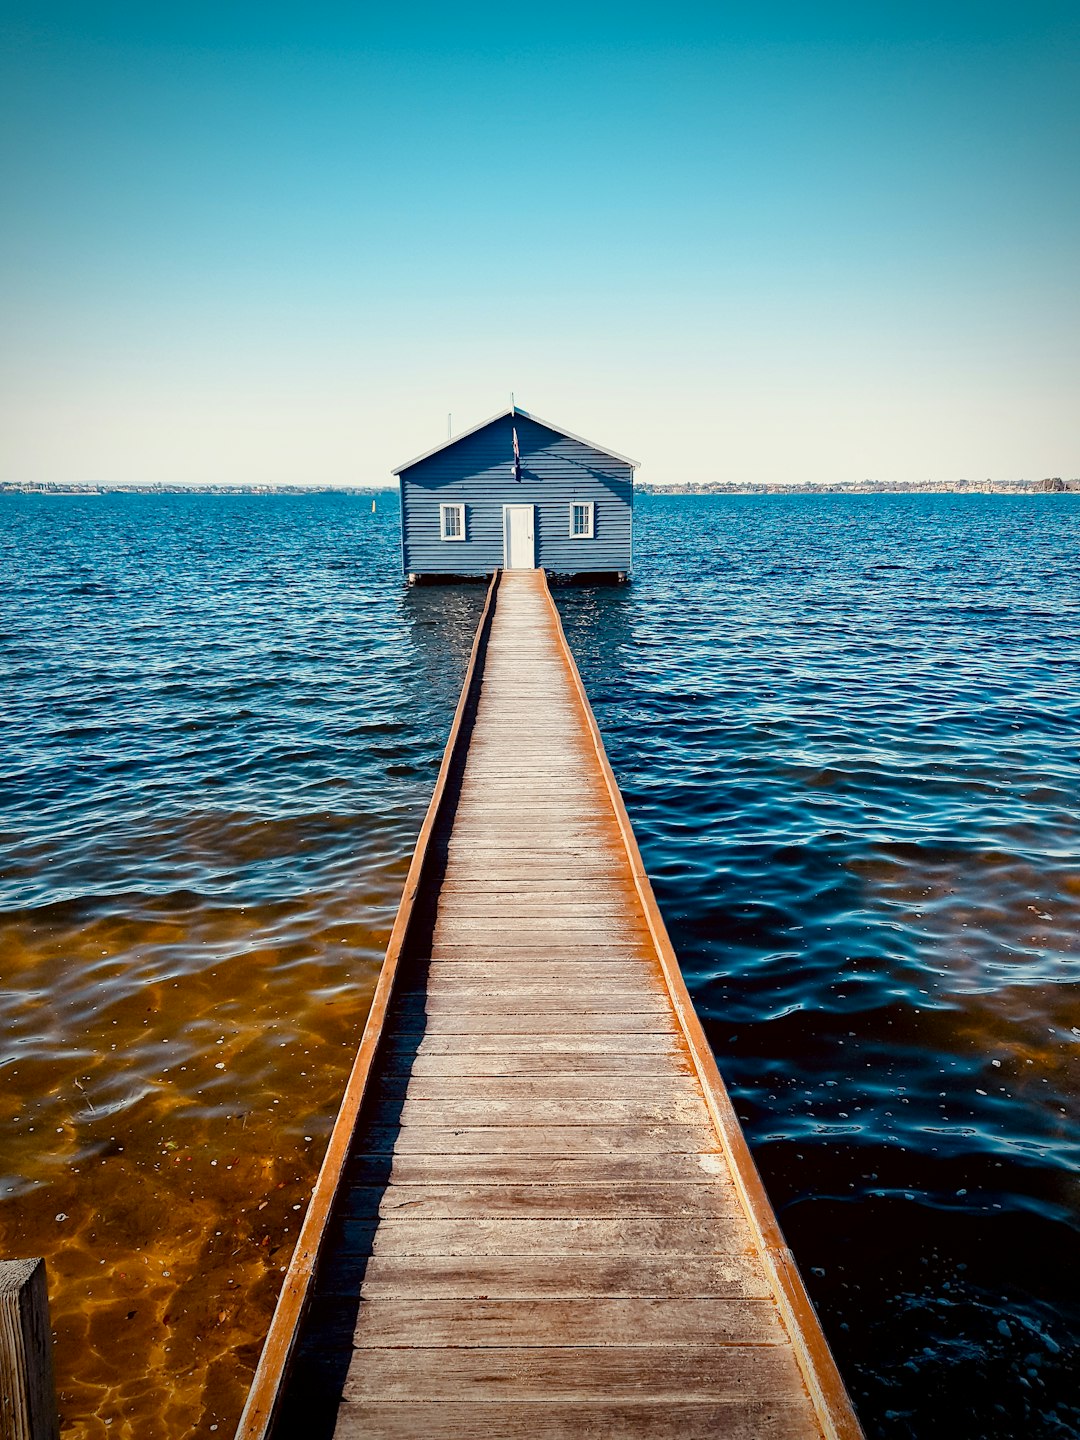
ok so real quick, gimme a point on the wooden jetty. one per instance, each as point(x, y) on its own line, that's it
point(537, 1215)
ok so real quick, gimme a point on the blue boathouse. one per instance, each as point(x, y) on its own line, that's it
point(519, 493)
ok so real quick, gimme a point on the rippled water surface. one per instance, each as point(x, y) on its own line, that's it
point(847, 732)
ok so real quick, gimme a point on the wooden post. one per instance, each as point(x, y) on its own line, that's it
point(27, 1393)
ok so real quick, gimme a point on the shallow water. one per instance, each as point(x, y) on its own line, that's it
point(846, 728)
point(222, 723)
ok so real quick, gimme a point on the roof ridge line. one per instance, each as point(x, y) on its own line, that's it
point(509, 413)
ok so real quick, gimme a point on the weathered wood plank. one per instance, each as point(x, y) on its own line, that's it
point(575, 945)
point(585, 956)
point(585, 1042)
point(524, 973)
point(27, 1391)
point(684, 1170)
point(430, 1235)
point(573, 856)
point(524, 897)
point(556, 887)
point(496, 867)
point(508, 975)
point(531, 1089)
point(578, 936)
point(606, 1373)
point(552, 1419)
point(501, 802)
point(591, 1139)
point(530, 1114)
point(545, 1022)
point(581, 1201)
point(518, 908)
point(559, 889)
point(493, 832)
point(530, 1063)
point(505, 966)
point(525, 1001)
point(735, 1272)
point(426, 1324)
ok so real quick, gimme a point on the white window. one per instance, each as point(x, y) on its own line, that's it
point(581, 520)
point(452, 522)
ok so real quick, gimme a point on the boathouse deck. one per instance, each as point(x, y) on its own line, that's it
point(537, 1215)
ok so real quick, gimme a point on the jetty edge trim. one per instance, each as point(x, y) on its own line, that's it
point(824, 1383)
point(264, 1397)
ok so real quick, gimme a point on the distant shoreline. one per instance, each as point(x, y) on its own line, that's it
point(1054, 486)
point(9, 487)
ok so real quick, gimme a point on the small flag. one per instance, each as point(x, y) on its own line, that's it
point(517, 455)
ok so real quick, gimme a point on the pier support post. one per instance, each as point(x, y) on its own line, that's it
point(27, 1391)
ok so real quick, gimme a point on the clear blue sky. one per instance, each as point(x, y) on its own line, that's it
point(281, 242)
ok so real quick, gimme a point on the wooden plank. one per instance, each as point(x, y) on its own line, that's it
point(684, 1170)
point(544, 1022)
point(489, 823)
point(530, 1063)
point(734, 1273)
point(552, 1419)
point(559, 888)
point(506, 966)
point(525, 1001)
point(591, 1139)
point(27, 1391)
point(581, 941)
point(630, 980)
point(501, 780)
point(601, 964)
point(523, 934)
point(586, 956)
point(501, 803)
point(586, 1042)
point(567, 905)
point(534, 1089)
point(570, 1237)
point(496, 867)
point(585, 1373)
point(529, 1114)
point(507, 974)
point(581, 1201)
point(649, 1321)
point(540, 913)
point(582, 836)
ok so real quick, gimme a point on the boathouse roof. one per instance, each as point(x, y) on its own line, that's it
point(514, 410)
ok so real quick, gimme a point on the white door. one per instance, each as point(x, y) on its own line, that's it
point(519, 544)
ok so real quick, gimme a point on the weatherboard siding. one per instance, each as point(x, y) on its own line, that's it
point(477, 471)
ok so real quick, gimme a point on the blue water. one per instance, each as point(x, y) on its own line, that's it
point(847, 733)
